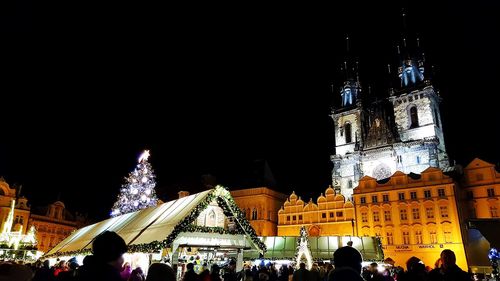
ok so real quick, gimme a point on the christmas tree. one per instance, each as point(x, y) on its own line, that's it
point(139, 190)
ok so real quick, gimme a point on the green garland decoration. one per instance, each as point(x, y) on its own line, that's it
point(229, 207)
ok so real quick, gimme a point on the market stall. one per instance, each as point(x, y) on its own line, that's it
point(184, 229)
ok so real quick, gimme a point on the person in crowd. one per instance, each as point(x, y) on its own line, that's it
point(160, 272)
point(190, 275)
point(215, 273)
point(106, 262)
point(314, 274)
point(415, 271)
point(70, 274)
point(10, 271)
point(449, 270)
point(302, 274)
point(44, 273)
point(231, 274)
point(374, 273)
point(347, 261)
point(137, 275)
point(126, 271)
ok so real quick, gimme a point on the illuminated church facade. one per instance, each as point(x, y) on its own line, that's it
point(401, 132)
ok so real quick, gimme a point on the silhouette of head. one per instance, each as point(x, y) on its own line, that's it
point(347, 257)
point(160, 272)
point(448, 258)
point(109, 247)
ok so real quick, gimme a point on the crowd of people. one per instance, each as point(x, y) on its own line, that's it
point(107, 264)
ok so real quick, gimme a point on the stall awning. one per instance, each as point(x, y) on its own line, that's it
point(322, 248)
point(154, 225)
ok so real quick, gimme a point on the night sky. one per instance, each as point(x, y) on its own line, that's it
point(213, 89)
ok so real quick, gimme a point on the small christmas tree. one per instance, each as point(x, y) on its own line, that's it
point(139, 190)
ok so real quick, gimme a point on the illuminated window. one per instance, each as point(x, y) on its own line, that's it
point(447, 235)
point(340, 214)
point(323, 215)
point(374, 198)
point(401, 196)
point(470, 195)
point(300, 217)
point(254, 214)
point(441, 192)
point(347, 128)
point(331, 214)
point(403, 215)
point(387, 215)
point(415, 213)
point(418, 237)
point(364, 217)
point(363, 200)
point(444, 211)
point(494, 212)
point(429, 212)
point(390, 239)
point(413, 117)
point(376, 217)
point(406, 237)
point(433, 236)
point(385, 197)
point(491, 192)
point(427, 193)
point(413, 195)
point(294, 218)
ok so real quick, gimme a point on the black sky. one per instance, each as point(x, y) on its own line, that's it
point(211, 89)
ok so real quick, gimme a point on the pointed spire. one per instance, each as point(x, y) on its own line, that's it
point(347, 42)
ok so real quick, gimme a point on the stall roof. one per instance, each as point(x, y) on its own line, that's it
point(145, 226)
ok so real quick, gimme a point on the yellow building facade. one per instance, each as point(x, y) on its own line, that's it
point(21, 210)
point(53, 227)
point(481, 185)
point(260, 206)
point(330, 215)
point(414, 215)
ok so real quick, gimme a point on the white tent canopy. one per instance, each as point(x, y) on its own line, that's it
point(148, 225)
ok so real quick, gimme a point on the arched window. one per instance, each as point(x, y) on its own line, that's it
point(413, 117)
point(347, 129)
point(254, 214)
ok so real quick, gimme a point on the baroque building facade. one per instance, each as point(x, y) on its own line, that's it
point(481, 187)
point(401, 132)
point(260, 206)
point(413, 214)
point(21, 209)
point(330, 215)
point(53, 225)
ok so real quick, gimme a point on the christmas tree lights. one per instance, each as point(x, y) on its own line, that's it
point(139, 190)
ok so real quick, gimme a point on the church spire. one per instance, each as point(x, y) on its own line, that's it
point(411, 58)
point(350, 91)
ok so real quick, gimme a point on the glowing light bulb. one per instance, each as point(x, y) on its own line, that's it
point(143, 197)
point(136, 204)
point(144, 179)
point(134, 191)
point(147, 191)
